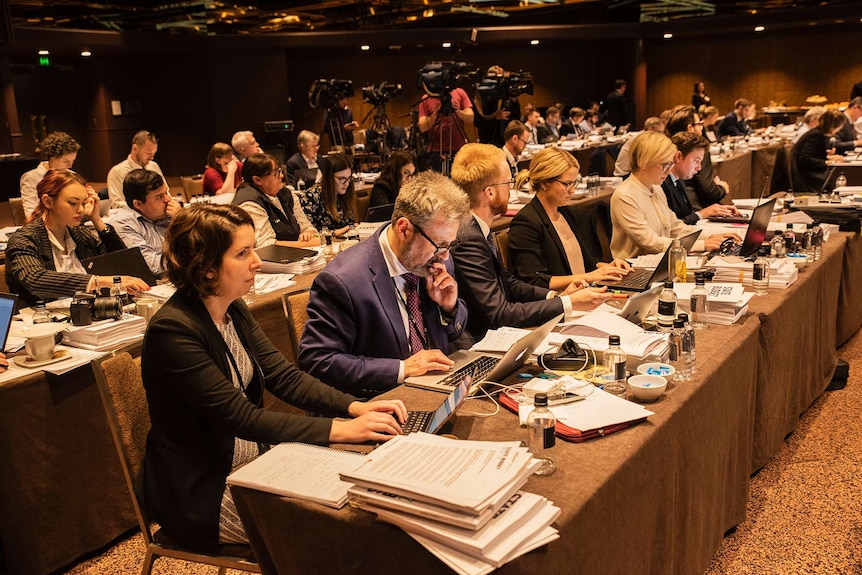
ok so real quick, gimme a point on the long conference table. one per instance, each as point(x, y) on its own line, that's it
point(660, 494)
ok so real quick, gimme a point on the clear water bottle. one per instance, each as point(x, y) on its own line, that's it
point(542, 425)
point(691, 340)
point(326, 241)
point(666, 307)
point(614, 361)
point(680, 352)
point(760, 276)
point(776, 249)
point(118, 290)
point(840, 182)
point(676, 262)
point(808, 241)
point(699, 303)
point(40, 313)
point(789, 240)
point(817, 240)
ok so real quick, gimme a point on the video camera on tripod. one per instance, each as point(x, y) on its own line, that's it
point(326, 93)
point(493, 89)
point(380, 94)
point(438, 79)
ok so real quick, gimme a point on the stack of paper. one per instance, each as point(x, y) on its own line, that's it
point(304, 266)
point(731, 269)
point(594, 328)
point(460, 499)
point(367, 229)
point(108, 334)
point(727, 301)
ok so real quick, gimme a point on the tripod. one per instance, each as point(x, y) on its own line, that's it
point(335, 128)
point(445, 151)
point(380, 128)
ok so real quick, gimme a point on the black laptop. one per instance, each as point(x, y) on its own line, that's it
point(756, 233)
point(284, 254)
point(641, 279)
point(127, 262)
point(740, 219)
point(379, 213)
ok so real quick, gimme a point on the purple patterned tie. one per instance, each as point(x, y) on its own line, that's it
point(417, 324)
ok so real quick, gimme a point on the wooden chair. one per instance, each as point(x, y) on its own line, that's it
point(192, 186)
point(362, 203)
point(118, 378)
point(501, 239)
point(4, 287)
point(295, 311)
point(16, 206)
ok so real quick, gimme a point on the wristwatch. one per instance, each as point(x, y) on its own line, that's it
point(109, 229)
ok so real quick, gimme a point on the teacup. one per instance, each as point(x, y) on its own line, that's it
point(40, 347)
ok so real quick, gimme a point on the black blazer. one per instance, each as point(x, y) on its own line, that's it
point(706, 190)
point(494, 296)
point(845, 138)
point(678, 202)
point(297, 162)
point(731, 126)
point(382, 194)
point(809, 161)
point(196, 413)
point(535, 250)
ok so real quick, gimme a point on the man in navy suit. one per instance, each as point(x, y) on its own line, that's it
point(388, 308)
point(735, 123)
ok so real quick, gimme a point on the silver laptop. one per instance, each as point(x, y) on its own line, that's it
point(7, 310)
point(433, 421)
point(481, 367)
point(638, 305)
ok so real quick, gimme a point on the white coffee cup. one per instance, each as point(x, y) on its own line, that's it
point(40, 347)
point(146, 307)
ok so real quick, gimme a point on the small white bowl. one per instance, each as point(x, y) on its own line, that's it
point(660, 369)
point(801, 260)
point(647, 387)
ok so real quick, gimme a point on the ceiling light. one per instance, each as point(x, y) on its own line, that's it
point(668, 36)
point(412, 18)
point(447, 44)
point(86, 53)
point(44, 52)
point(365, 47)
point(759, 28)
point(428, 13)
point(534, 42)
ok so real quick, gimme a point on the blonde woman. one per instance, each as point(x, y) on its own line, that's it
point(546, 247)
point(642, 221)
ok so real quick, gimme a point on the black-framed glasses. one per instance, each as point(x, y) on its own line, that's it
point(508, 183)
point(666, 166)
point(437, 248)
point(278, 173)
point(342, 179)
point(568, 186)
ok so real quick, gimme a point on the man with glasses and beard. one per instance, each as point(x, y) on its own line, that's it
point(516, 137)
point(388, 308)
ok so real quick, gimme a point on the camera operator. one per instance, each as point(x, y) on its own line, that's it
point(492, 129)
point(444, 126)
point(340, 116)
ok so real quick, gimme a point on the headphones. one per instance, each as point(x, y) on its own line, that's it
point(569, 357)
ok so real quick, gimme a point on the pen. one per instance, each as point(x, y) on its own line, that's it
point(618, 295)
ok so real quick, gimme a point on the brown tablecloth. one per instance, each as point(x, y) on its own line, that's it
point(736, 171)
point(849, 302)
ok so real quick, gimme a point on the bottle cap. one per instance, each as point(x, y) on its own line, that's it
point(789, 226)
point(678, 323)
point(40, 303)
point(699, 279)
point(614, 339)
point(540, 400)
point(668, 285)
point(683, 317)
point(117, 279)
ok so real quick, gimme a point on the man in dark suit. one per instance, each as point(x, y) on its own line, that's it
point(550, 130)
point(845, 139)
point(306, 158)
point(494, 297)
point(735, 123)
point(615, 105)
point(708, 188)
point(691, 150)
point(388, 308)
point(517, 135)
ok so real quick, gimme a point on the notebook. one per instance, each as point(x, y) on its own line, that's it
point(433, 421)
point(284, 254)
point(756, 232)
point(128, 262)
point(481, 368)
point(641, 279)
point(7, 310)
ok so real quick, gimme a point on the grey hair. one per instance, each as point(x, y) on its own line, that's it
point(431, 196)
point(241, 138)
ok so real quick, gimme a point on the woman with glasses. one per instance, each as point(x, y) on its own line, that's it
point(331, 203)
point(396, 172)
point(642, 221)
point(547, 247)
point(277, 216)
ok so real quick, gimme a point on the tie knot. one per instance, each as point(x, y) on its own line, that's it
point(412, 280)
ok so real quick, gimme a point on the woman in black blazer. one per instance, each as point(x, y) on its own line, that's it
point(537, 253)
point(205, 365)
point(810, 153)
point(396, 172)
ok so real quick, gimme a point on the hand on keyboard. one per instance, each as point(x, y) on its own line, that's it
point(425, 361)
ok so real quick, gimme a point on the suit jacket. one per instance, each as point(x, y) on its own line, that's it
point(706, 190)
point(615, 109)
point(354, 338)
point(30, 270)
point(382, 194)
point(845, 138)
point(730, 126)
point(809, 161)
point(535, 249)
point(678, 202)
point(494, 296)
point(196, 413)
point(297, 162)
point(547, 134)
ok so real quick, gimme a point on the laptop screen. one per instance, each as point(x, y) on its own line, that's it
point(7, 309)
point(448, 408)
point(757, 228)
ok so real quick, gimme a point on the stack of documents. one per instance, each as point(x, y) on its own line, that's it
point(594, 328)
point(782, 272)
point(367, 229)
point(460, 499)
point(727, 301)
point(107, 334)
point(304, 266)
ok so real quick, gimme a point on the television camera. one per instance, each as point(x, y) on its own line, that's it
point(438, 79)
point(493, 89)
point(380, 94)
point(326, 93)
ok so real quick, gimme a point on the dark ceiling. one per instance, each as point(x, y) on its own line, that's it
point(215, 17)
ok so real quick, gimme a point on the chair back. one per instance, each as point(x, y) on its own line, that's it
point(16, 206)
point(296, 312)
point(4, 287)
point(610, 163)
point(192, 186)
point(501, 239)
point(362, 203)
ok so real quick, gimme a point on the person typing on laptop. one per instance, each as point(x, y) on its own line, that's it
point(43, 258)
point(642, 221)
point(388, 308)
point(151, 208)
point(494, 296)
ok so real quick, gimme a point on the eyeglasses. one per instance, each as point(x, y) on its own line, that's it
point(407, 175)
point(698, 124)
point(342, 179)
point(509, 183)
point(666, 166)
point(437, 248)
point(523, 141)
point(569, 185)
point(278, 173)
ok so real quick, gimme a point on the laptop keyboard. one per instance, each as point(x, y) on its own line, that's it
point(416, 421)
point(478, 368)
point(638, 278)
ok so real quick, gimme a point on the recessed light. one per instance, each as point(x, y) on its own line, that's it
point(668, 36)
point(534, 42)
point(365, 47)
point(447, 44)
point(86, 53)
point(759, 28)
point(44, 53)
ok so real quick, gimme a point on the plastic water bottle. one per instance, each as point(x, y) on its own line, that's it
point(691, 340)
point(760, 276)
point(817, 240)
point(840, 182)
point(808, 241)
point(118, 290)
point(666, 307)
point(676, 262)
point(542, 425)
point(680, 354)
point(40, 313)
point(789, 240)
point(614, 361)
point(777, 245)
point(699, 303)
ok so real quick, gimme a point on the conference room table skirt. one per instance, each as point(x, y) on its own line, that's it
point(62, 491)
point(655, 498)
point(849, 301)
point(736, 171)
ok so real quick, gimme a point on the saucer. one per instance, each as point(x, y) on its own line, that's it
point(26, 361)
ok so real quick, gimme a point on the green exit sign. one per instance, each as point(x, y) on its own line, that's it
point(44, 61)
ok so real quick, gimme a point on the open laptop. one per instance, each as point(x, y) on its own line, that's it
point(641, 279)
point(756, 232)
point(284, 254)
point(380, 213)
point(128, 262)
point(740, 219)
point(433, 421)
point(7, 310)
point(638, 306)
point(481, 367)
